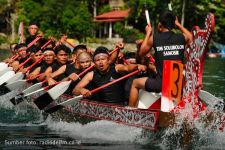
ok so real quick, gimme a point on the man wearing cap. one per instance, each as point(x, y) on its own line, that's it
point(104, 73)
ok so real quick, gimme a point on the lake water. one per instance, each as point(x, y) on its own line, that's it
point(25, 128)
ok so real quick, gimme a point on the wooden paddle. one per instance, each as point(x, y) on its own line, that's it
point(3, 78)
point(58, 90)
point(74, 99)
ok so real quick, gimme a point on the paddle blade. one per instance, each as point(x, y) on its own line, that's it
point(211, 100)
point(3, 71)
point(17, 99)
point(62, 104)
point(16, 77)
point(5, 77)
point(33, 88)
point(3, 66)
point(42, 101)
point(16, 85)
point(59, 89)
point(4, 89)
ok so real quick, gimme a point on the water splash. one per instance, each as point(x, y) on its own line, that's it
point(99, 131)
point(192, 133)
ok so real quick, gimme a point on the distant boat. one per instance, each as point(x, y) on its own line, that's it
point(214, 55)
point(217, 51)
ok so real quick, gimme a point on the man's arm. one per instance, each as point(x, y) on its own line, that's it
point(147, 43)
point(34, 74)
point(58, 72)
point(79, 89)
point(114, 56)
point(187, 34)
point(129, 68)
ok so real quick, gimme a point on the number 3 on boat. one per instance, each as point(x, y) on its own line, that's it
point(171, 89)
point(171, 84)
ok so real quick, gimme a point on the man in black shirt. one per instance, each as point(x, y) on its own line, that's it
point(33, 33)
point(21, 50)
point(48, 60)
point(167, 45)
point(104, 73)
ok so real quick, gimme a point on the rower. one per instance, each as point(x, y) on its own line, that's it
point(48, 60)
point(62, 55)
point(20, 49)
point(76, 51)
point(70, 71)
point(33, 30)
point(167, 45)
point(35, 54)
point(104, 73)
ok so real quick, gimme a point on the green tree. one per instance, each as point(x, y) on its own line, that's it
point(201, 8)
point(58, 16)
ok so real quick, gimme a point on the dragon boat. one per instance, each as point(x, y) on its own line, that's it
point(182, 86)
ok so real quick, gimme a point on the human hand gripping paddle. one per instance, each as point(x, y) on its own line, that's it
point(10, 76)
point(36, 88)
point(4, 66)
point(20, 75)
point(76, 98)
point(45, 99)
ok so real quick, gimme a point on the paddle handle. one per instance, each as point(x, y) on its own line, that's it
point(14, 57)
point(115, 81)
point(70, 44)
point(46, 44)
point(34, 41)
point(22, 64)
point(125, 61)
point(147, 16)
point(36, 62)
point(49, 86)
point(86, 70)
point(35, 77)
point(113, 51)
